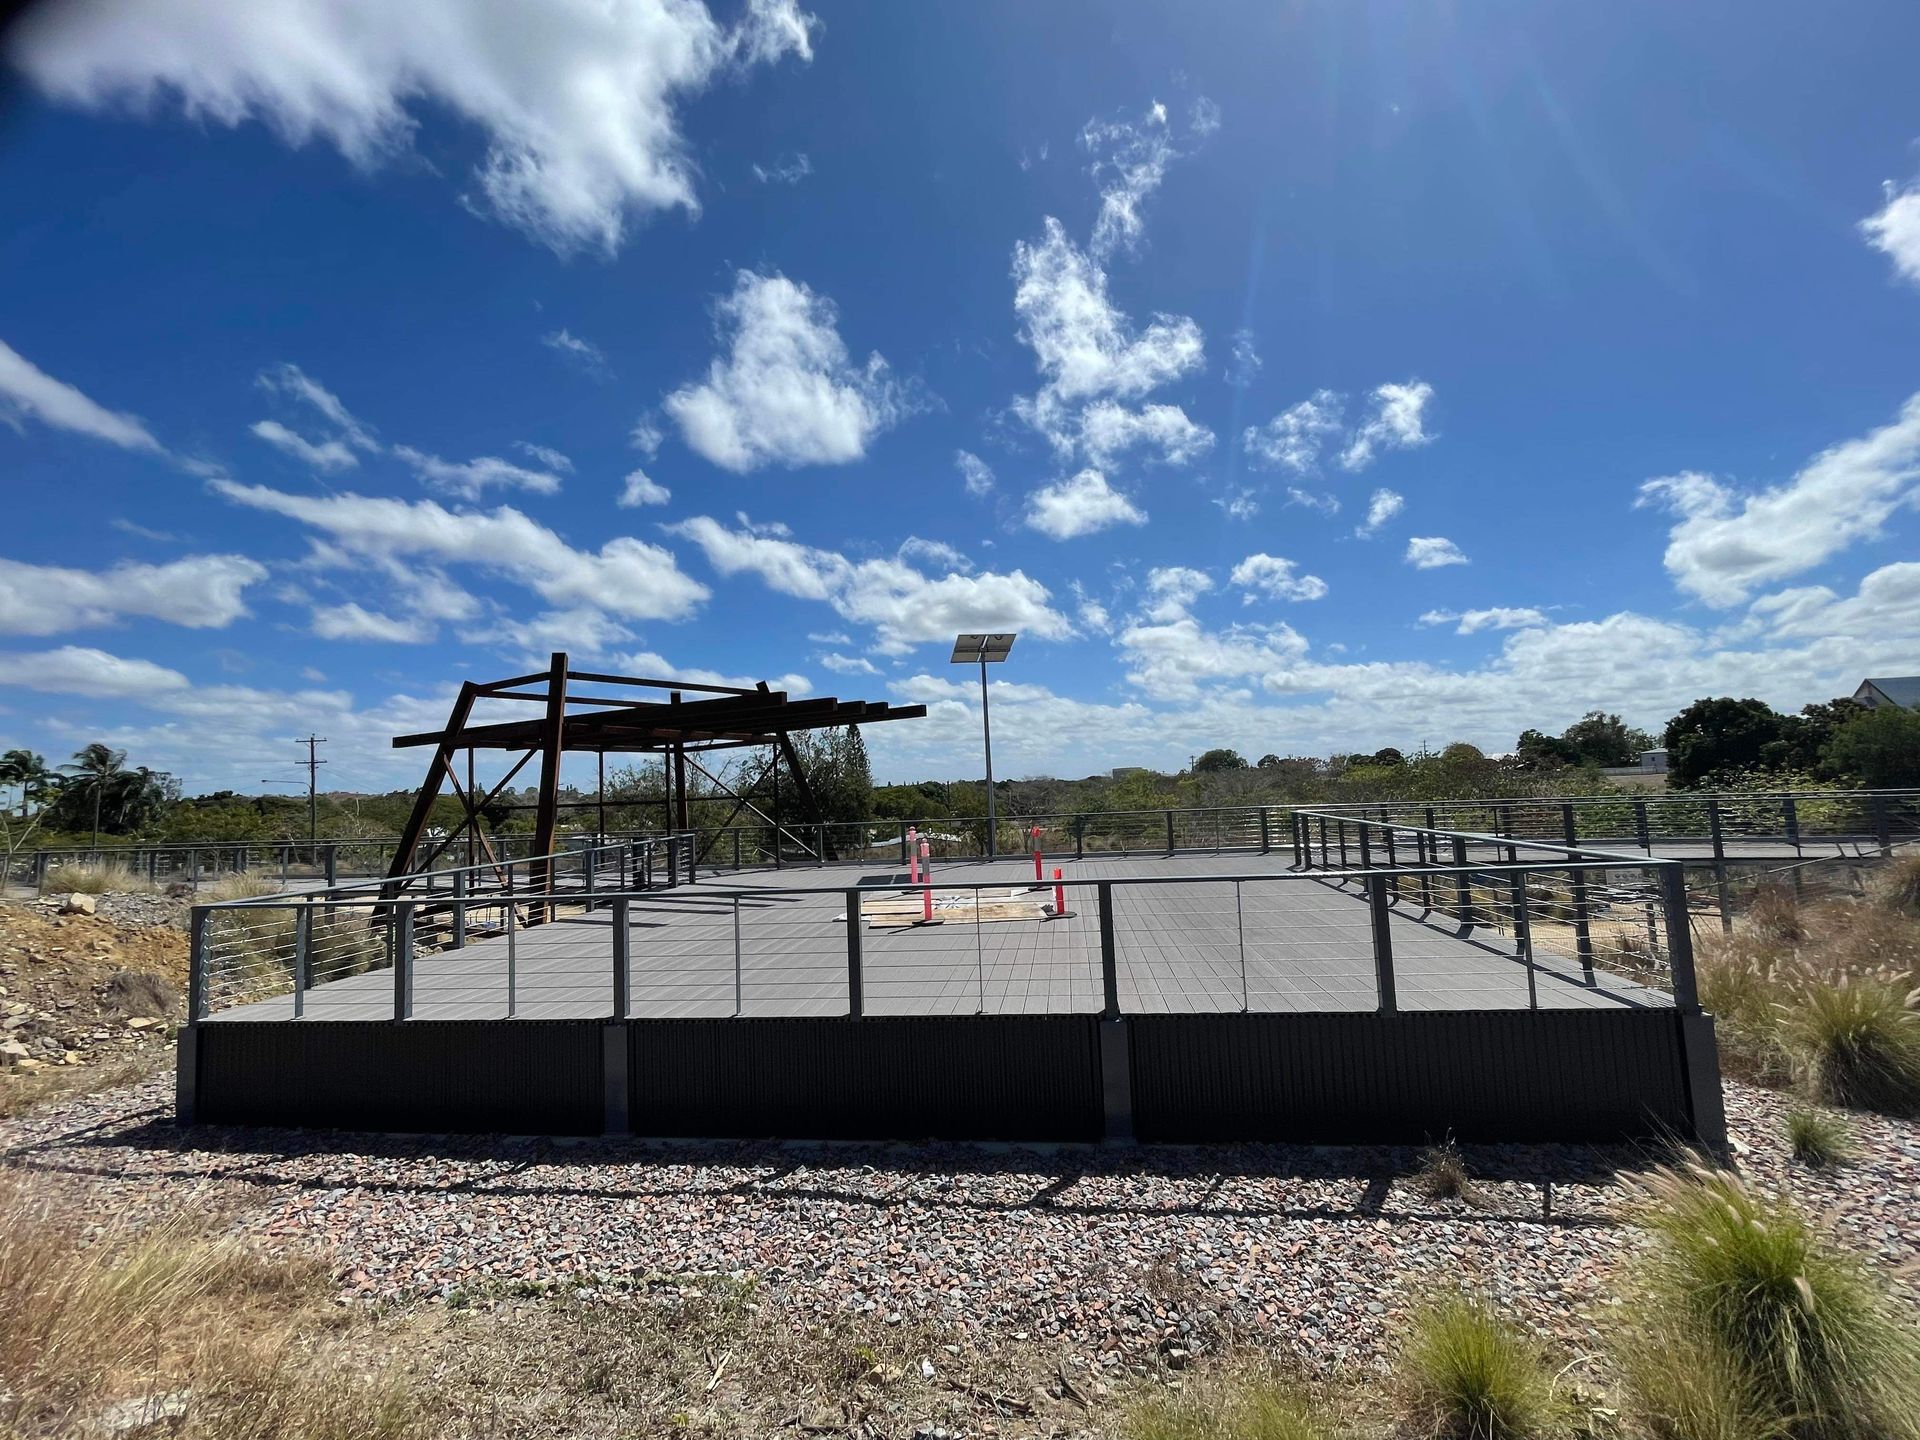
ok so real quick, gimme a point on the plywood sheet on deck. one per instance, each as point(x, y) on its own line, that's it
point(952, 907)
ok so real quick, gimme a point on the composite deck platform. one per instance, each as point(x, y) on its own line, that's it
point(1297, 944)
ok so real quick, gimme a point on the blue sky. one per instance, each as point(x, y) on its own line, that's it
point(1300, 378)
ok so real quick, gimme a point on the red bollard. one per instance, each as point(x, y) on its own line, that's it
point(926, 896)
point(1059, 893)
point(1038, 877)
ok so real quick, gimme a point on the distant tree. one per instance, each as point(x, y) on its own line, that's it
point(1605, 740)
point(1537, 750)
point(1720, 737)
point(1881, 747)
point(1388, 757)
point(1268, 761)
point(1804, 737)
point(102, 792)
point(91, 770)
point(837, 771)
point(31, 774)
point(1214, 761)
point(1461, 753)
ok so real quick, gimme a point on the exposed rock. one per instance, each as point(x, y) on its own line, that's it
point(78, 904)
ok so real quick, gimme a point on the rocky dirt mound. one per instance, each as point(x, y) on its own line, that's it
point(84, 990)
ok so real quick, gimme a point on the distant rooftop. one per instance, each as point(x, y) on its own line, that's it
point(1901, 690)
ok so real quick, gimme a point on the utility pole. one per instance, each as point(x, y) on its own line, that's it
point(313, 786)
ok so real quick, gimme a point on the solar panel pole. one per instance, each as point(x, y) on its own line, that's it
point(986, 734)
point(985, 649)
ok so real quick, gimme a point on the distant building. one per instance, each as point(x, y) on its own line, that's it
point(1121, 772)
point(1900, 691)
point(1653, 762)
point(1647, 773)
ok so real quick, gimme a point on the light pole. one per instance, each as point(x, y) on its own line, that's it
point(983, 650)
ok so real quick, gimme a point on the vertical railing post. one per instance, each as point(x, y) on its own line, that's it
point(1382, 943)
point(513, 961)
point(197, 941)
point(1640, 830)
point(622, 958)
point(402, 922)
point(1424, 842)
point(1719, 865)
point(1582, 906)
point(1673, 903)
point(1079, 837)
point(673, 863)
point(739, 979)
point(1882, 826)
point(1169, 832)
point(1366, 847)
point(1523, 935)
point(1462, 883)
point(1109, 960)
point(1393, 860)
point(461, 879)
point(1266, 838)
point(302, 957)
point(333, 862)
point(1323, 841)
point(819, 844)
point(1240, 926)
point(1341, 826)
point(856, 991)
point(1793, 823)
point(736, 848)
point(903, 842)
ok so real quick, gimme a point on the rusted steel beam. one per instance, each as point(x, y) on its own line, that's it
point(440, 767)
point(552, 747)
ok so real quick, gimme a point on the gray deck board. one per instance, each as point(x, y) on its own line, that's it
point(1307, 947)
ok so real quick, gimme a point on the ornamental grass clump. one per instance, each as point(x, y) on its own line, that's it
point(1742, 1315)
point(1855, 1042)
point(1467, 1374)
point(1817, 1138)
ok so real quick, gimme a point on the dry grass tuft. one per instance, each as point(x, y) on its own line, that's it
point(96, 878)
point(1817, 1138)
point(1443, 1174)
point(90, 1321)
point(1855, 1041)
point(1897, 886)
point(1229, 1410)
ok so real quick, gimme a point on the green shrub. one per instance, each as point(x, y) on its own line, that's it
point(1855, 1041)
point(1817, 1138)
point(1469, 1375)
point(1773, 1318)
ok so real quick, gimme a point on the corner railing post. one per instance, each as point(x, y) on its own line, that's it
point(197, 940)
point(1382, 943)
point(302, 957)
point(402, 922)
point(856, 991)
point(622, 958)
point(1673, 897)
point(1720, 865)
point(1109, 960)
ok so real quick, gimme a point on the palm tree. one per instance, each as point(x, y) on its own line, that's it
point(96, 767)
point(29, 771)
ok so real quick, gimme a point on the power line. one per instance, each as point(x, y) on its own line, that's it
point(313, 785)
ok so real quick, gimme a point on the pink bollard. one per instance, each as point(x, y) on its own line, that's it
point(1037, 875)
point(926, 870)
point(913, 856)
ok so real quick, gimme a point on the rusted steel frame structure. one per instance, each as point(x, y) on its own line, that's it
point(680, 729)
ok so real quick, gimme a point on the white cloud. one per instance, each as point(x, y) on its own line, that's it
point(1384, 505)
point(584, 352)
point(1108, 430)
point(830, 637)
point(849, 665)
point(647, 662)
point(646, 436)
point(1239, 504)
point(1395, 421)
point(1728, 544)
point(28, 392)
point(1895, 230)
point(79, 670)
point(975, 473)
point(578, 101)
point(546, 455)
point(1292, 439)
point(937, 552)
point(1275, 578)
point(1430, 552)
point(1173, 589)
point(1172, 659)
point(785, 392)
point(1499, 617)
point(1326, 504)
point(469, 479)
point(1131, 159)
point(1245, 364)
point(640, 489)
point(352, 621)
point(328, 456)
point(582, 631)
point(1083, 346)
point(1080, 505)
point(790, 171)
point(293, 382)
point(627, 577)
point(201, 592)
point(906, 606)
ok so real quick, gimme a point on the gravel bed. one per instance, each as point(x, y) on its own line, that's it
point(1110, 1252)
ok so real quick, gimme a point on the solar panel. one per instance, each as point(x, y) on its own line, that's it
point(971, 649)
